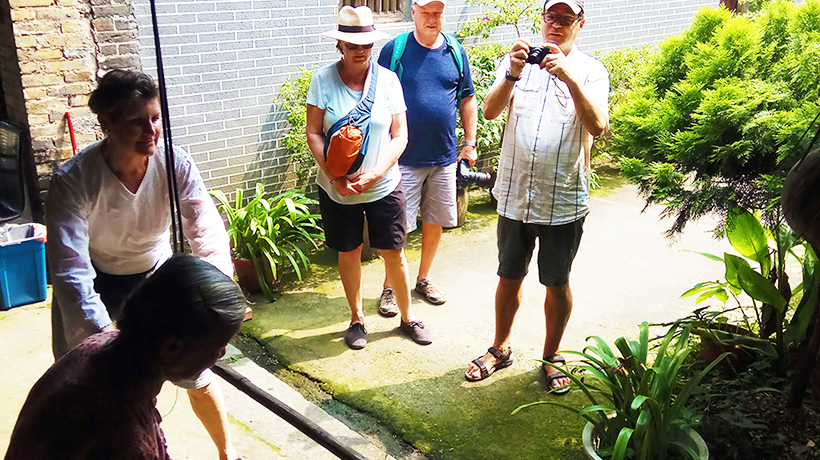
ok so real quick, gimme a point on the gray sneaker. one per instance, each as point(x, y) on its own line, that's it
point(416, 331)
point(356, 336)
point(387, 303)
point(429, 292)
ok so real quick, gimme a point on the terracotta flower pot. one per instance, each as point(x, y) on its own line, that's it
point(246, 274)
point(687, 436)
point(711, 348)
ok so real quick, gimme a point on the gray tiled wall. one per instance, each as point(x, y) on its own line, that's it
point(225, 61)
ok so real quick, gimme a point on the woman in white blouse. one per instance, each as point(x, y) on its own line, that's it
point(108, 219)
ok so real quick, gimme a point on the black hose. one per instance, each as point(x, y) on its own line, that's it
point(299, 421)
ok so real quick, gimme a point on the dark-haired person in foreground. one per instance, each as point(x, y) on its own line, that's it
point(108, 219)
point(554, 107)
point(97, 401)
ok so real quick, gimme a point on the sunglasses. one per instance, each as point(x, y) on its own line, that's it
point(557, 19)
point(352, 46)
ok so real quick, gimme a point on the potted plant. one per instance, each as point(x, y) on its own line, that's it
point(759, 272)
point(271, 234)
point(640, 410)
point(718, 335)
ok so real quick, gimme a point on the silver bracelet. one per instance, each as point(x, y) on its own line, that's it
point(469, 143)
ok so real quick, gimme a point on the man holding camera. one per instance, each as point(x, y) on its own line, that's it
point(435, 78)
point(556, 100)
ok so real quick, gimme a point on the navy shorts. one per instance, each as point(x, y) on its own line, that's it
point(557, 246)
point(114, 290)
point(344, 223)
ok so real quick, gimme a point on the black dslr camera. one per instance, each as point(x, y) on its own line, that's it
point(537, 54)
point(465, 177)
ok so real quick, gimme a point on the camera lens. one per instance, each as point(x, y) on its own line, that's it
point(536, 54)
point(465, 177)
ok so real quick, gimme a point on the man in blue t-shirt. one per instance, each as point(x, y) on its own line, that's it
point(430, 80)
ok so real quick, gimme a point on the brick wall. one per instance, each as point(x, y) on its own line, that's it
point(62, 45)
point(56, 62)
point(617, 23)
point(225, 61)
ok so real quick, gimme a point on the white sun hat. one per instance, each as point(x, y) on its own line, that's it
point(355, 25)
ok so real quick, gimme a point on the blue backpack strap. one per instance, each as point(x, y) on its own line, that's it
point(399, 44)
point(455, 50)
point(359, 117)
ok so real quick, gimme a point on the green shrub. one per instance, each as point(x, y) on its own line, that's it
point(293, 97)
point(483, 60)
point(715, 116)
point(626, 68)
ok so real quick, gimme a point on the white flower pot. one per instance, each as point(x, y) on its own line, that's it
point(687, 436)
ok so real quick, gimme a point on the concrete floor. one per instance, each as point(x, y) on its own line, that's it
point(626, 272)
point(25, 354)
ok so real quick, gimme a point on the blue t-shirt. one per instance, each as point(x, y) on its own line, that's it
point(430, 84)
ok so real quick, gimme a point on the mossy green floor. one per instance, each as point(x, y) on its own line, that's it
point(420, 392)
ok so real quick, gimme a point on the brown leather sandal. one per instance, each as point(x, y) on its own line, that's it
point(549, 378)
point(502, 360)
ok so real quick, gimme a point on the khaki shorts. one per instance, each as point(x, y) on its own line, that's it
point(433, 190)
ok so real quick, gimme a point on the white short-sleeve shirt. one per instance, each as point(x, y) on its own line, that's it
point(542, 174)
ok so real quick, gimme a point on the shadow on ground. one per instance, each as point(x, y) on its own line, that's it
point(625, 272)
point(411, 390)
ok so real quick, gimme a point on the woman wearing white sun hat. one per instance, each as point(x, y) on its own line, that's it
point(374, 188)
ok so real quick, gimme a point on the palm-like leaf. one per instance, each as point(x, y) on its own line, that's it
point(642, 412)
point(272, 232)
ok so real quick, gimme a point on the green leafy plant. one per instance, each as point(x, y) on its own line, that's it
point(483, 60)
point(715, 121)
point(519, 14)
point(637, 409)
point(274, 232)
point(759, 271)
point(719, 335)
point(626, 68)
point(293, 97)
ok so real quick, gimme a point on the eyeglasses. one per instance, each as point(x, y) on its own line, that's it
point(352, 46)
point(559, 20)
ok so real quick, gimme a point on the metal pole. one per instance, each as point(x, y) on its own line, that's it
point(170, 162)
point(286, 413)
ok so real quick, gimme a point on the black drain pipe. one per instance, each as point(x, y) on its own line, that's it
point(299, 421)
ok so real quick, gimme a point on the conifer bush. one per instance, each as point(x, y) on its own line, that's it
point(714, 118)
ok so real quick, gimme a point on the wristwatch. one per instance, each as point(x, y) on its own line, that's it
point(511, 78)
point(469, 143)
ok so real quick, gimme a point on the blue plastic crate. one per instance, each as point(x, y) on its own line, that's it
point(22, 273)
